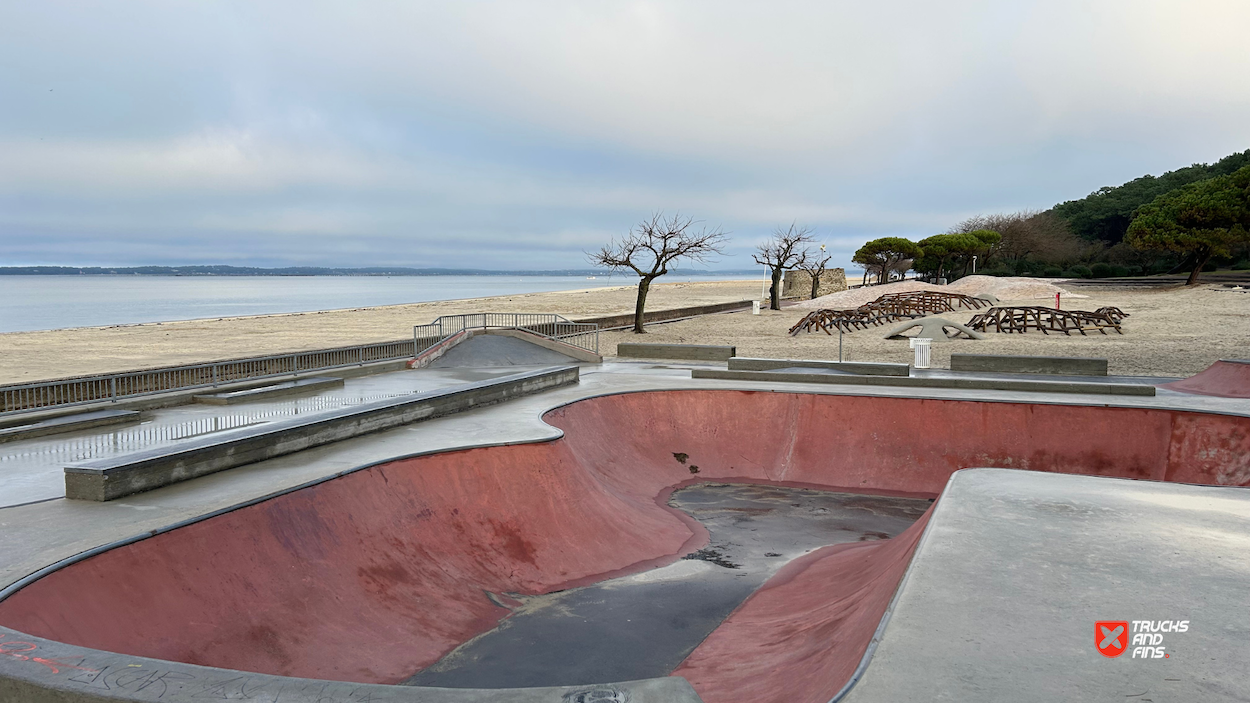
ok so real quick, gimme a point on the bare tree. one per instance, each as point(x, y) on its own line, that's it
point(652, 246)
point(815, 264)
point(784, 251)
point(1029, 234)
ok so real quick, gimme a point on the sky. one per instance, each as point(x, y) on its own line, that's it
point(519, 135)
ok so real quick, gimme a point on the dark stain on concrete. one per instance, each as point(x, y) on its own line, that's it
point(644, 625)
point(512, 543)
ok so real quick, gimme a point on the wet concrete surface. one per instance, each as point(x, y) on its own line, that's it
point(644, 625)
point(490, 351)
point(32, 470)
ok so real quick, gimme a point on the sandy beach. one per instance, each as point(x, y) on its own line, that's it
point(27, 357)
point(1171, 332)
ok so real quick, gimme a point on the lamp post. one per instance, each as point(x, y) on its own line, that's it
point(974, 263)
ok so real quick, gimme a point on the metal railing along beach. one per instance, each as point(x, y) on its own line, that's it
point(112, 387)
point(583, 335)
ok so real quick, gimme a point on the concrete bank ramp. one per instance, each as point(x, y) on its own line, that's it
point(488, 350)
point(1227, 378)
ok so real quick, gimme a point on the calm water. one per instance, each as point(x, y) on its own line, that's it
point(55, 302)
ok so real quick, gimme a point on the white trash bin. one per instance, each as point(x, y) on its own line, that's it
point(755, 307)
point(921, 345)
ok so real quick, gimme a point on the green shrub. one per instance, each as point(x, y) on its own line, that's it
point(1209, 266)
point(1079, 272)
point(1243, 265)
point(1100, 270)
point(999, 270)
point(1134, 271)
point(1052, 271)
point(1118, 271)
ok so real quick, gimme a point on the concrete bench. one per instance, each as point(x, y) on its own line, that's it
point(1055, 365)
point(690, 352)
point(118, 476)
point(864, 368)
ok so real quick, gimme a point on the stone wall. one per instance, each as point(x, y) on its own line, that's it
point(798, 284)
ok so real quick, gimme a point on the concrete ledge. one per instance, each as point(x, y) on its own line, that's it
point(68, 423)
point(984, 384)
point(37, 670)
point(611, 322)
point(303, 385)
point(115, 477)
point(693, 352)
point(866, 368)
point(1056, 365)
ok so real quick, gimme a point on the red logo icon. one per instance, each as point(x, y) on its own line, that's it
point(1111, 637)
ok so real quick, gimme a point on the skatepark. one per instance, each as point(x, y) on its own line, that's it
point(508, 519)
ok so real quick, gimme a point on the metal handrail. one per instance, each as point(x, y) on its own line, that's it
point(112, 387)
point(583, 335)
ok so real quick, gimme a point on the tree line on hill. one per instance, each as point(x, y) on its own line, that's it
point(1192, 219)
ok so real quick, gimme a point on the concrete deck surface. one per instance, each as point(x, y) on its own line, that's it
point(1016, 567)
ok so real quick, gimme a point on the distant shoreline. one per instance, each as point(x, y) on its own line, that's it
point(319, 271)
point(34, 302)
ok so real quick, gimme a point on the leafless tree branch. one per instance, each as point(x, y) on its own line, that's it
point(650, 248)
point(815, 264)
point(784, 251)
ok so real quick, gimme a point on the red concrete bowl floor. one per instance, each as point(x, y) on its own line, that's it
point(377, 574)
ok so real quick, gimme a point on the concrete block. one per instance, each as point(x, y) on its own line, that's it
point(114, 477)
point(303, 385)
point(691, 352)
point(1056, 365)
point(986, 384)
point(68, 423)
point(866, 368)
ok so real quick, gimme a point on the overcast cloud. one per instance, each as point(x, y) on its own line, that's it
point(518, 134)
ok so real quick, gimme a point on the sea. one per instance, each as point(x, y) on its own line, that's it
point(55, 302)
